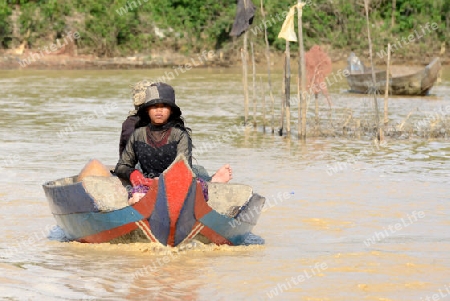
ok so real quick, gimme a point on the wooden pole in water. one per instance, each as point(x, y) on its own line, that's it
point(264, 103)
point(244, 78)
point(283, 92)
point(301, 74)
point(316, 96)
point(374, 81)
point(254, 85)
point(245, 72)
point(438, 80)
point(267, 53)
point(386, 91)
point(287, 89)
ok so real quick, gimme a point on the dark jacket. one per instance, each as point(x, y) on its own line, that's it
point(153, 155)
point(128, 127)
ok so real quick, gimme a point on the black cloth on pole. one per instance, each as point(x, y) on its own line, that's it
point(244, 17)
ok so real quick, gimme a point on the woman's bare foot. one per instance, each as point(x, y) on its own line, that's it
point(223, 174)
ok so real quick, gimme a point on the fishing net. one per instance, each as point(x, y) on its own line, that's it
point(318, 67)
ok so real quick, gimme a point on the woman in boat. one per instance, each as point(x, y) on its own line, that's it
point(131, 122)
point(159, 137)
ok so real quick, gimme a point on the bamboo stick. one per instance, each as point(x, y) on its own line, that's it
point(402, 124)
point(316, 95)
point(287, 89)
point(254, 85)
point(386, 91)
point(377, 119)
point(344, 126)
point(267, 54)
point(263, 103)
point(301, 75)
point(244, 56)
point(245, 77)
point(283, 92)
point(439, 79)
point(358, 128)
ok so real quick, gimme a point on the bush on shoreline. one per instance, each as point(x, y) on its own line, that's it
point(127, 28)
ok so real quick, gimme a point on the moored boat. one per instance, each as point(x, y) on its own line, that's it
point(173, 211)
point(402, 81)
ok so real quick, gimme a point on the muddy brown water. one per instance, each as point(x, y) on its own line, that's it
point(344, 219)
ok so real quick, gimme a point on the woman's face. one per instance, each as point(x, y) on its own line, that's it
point(159, 113)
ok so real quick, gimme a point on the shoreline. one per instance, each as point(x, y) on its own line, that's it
point(12, 61)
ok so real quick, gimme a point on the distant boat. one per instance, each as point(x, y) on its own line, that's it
point(173, 211)
point(402, 81)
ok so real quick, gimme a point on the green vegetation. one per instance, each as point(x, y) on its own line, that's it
point(5, 30)
point(123, 28)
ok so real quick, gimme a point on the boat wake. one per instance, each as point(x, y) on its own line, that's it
point(57, 233)
point(253, 239)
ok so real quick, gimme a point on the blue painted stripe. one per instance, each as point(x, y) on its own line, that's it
point(227, 227)
point(78, 225)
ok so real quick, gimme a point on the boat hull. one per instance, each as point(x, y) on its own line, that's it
point(416, 83)
point(173, 211)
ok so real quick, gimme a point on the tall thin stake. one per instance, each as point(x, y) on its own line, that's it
point(287, 89)
point(267, 53)
point(301, 75)
point(254, 85)
point(244, 77)
point(283, 92)
point(374, 81)
point(316, 95)
point(244, 56)
point(386, 91)
point(263, 103)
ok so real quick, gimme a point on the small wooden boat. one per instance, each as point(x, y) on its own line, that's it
point(402, 81)
point(173, 211)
